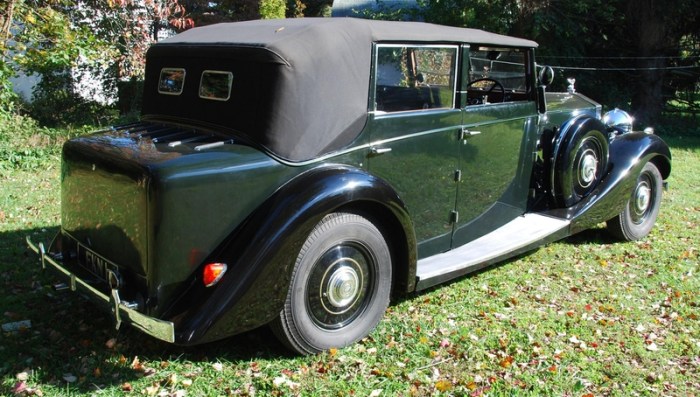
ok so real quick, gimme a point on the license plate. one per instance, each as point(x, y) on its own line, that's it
point(94, 263)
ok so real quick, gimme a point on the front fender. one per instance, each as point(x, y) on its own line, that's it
point(628, 155)
point(261, 252)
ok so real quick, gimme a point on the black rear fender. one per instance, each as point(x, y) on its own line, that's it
point(262, 251)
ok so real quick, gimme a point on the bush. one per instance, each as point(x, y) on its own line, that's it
point(272, 9)
point(55, 104)
point(24, 144)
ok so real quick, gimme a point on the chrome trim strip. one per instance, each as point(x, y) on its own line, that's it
point(163, 330)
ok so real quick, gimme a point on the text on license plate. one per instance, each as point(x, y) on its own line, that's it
point(94, 262)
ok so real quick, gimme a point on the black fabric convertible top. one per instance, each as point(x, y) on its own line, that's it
point(300, 86)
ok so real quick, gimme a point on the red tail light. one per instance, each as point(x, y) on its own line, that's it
point(213, 273)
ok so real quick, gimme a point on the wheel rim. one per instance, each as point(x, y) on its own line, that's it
point(339, 285)
point(587, 166)
point(641, 203)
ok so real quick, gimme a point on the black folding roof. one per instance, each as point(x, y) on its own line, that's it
point(313, 76)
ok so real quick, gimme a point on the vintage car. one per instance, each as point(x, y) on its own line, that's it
point(302, 173)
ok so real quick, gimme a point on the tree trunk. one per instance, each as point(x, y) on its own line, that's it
point(6, 15)
point(649, 37)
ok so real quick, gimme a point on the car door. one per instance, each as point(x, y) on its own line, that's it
point(414, 126)
point(497, 140)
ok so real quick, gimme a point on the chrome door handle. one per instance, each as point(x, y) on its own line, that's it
point(379, 150)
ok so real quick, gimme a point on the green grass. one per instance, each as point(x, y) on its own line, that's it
point(583, 317)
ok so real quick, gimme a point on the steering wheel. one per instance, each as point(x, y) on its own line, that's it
point(494, 84)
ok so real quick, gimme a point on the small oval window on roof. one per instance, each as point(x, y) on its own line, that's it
point(171, 81)
point(216, 85)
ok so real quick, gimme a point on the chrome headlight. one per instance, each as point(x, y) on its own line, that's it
point(618, 121)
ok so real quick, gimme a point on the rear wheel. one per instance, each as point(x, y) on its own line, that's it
point(639, 215)
point(340, 286)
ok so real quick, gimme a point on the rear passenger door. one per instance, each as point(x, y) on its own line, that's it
point(414, 127)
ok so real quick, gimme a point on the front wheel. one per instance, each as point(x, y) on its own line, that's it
point(580, 166)
point(340, 286)
point(639, 215)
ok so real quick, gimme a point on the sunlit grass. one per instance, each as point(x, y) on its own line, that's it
point(584, 316)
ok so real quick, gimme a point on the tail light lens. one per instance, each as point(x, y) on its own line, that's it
point(213, 272)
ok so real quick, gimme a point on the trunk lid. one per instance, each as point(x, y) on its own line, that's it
point(154, 200)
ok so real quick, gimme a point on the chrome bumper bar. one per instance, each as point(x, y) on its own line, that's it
point(164, 330)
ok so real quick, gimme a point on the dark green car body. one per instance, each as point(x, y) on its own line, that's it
point(252, 133)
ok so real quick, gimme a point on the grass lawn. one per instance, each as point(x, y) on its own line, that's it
point(582, 317)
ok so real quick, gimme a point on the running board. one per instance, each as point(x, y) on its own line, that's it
point(519, 235)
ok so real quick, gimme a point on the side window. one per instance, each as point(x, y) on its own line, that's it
point(496, 75)
point(171, 81)
point(414, 77)
point(215, 85)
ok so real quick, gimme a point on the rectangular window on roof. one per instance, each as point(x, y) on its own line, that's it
point(415, 77)
point(216, 85)
point(171, 81)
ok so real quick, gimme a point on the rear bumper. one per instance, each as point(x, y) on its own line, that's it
point(164, 330)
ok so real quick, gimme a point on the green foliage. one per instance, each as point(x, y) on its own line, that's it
point(385, 11)
point(55, 104)
point(8, 98)
point(272, 9)
point(26, 145)
point(43, 39)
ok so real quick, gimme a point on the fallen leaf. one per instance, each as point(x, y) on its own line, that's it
point(375, 393)
point(152, 390)
point(171, 380)
point(506, 362)
point(136, 364)
point(218, 367)
point(19, 387)
point(111, 343)
point(443, 385)
point(127, 387)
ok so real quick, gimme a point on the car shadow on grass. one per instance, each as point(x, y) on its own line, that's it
point(596, 236)
point(63, 338)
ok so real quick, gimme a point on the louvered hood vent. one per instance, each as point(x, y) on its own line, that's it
point(173, 136)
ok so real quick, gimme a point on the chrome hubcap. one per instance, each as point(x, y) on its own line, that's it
point(343, 287)
point(338, 285)
point(588, 168)
point(642, 198)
